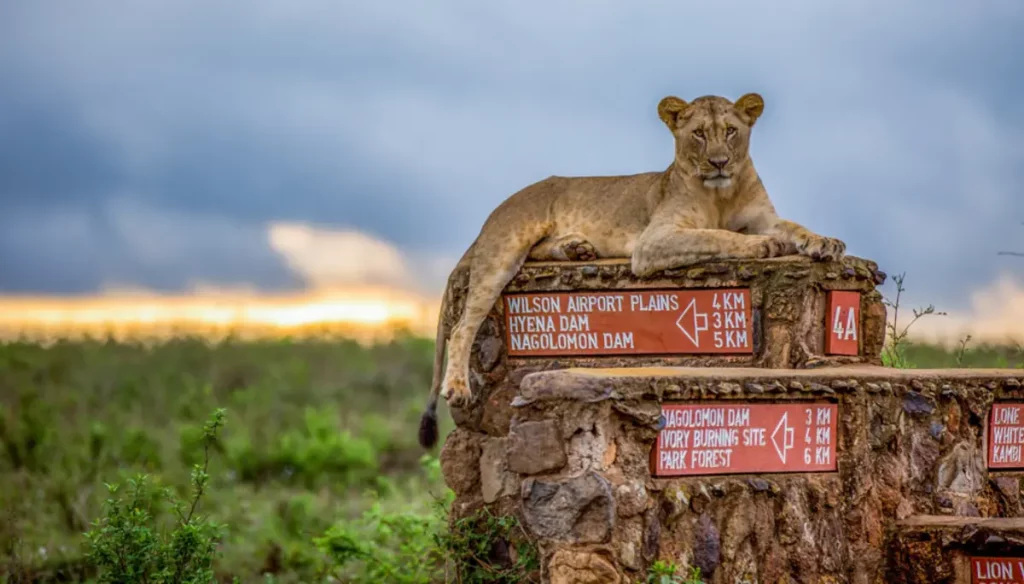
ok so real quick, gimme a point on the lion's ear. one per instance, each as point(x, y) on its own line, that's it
point(669, 108)
point(750, 105)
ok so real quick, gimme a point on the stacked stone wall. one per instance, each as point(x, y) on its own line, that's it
point(569, 444)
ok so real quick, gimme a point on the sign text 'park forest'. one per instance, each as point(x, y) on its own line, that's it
point(629, 322)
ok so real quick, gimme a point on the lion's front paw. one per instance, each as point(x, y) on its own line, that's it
point(456, 391)
point(821, 248)
point(579, 251)
point(772, 247)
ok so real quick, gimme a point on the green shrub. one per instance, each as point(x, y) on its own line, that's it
point(313, 451)
point(488, 548)
point(390, 546)
point(126, 545)
point(662, 572)
point(384, 547)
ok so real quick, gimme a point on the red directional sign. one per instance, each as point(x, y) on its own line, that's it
point(997, 570)
point(629, 322)
point(1006, 436)
point(842, 323)
point(737, 438)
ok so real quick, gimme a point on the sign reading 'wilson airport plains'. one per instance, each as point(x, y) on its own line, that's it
point(708, 439)
point(629, 322)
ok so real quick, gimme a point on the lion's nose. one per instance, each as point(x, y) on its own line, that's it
point(719, 162)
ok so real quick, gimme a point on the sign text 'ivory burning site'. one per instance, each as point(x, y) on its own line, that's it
point(629, 322)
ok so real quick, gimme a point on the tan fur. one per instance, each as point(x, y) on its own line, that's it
point(688, 213)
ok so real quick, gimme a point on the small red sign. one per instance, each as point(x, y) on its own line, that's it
point(997, 570)
point(711, 439)
point(1006, 435)
point(842, 323)
point(629, 322)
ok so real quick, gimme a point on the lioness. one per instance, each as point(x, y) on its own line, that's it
point(708, 204)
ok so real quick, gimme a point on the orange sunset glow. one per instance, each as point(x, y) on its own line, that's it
point(362, 313)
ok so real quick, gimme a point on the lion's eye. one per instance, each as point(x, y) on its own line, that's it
point(699, 133)
point(730, 131)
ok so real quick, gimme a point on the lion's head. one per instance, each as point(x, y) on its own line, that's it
point(712, 134)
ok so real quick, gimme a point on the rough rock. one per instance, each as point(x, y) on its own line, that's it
point(915, 403)
point(707, 546)
point(630, 543)
point(631, 498)
point(536, 447)
point(496, 416)
point(461, 447)
point(570, 567)
point(491, 349)
point(577, 510)
point(495, 479)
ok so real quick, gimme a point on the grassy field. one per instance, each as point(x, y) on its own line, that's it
point(315, 475)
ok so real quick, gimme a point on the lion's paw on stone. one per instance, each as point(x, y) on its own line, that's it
point(822, 248)
point(456, 392)
point(772, 247)
point(579, 251)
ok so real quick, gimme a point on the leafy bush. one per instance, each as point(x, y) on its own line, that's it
point(487, 548)
point(126, 545)
point(390, 546)
point(385, 547)
point(662, 572)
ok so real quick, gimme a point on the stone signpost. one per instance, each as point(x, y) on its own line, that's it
point(733, 417)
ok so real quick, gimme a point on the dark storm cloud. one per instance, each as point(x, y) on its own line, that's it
point(121, 243)
point(893, 126)
point(46, 156)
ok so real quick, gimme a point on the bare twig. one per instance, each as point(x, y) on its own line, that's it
point(962, 350)
point(894, 351)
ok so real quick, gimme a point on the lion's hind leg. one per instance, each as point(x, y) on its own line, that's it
point(497, 256)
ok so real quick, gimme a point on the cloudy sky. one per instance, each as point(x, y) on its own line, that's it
point(285, 145)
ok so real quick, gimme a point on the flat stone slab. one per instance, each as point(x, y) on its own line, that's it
point(921, 523)
point(591, 384)
point(958, 550)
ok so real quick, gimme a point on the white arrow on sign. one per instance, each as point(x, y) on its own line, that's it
point(787, 437)
point(700, 322)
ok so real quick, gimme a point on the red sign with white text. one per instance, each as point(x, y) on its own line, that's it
point(629, 322)
point(997, 570)
point(1006, 435)
point(709, 439)
point(842, 323)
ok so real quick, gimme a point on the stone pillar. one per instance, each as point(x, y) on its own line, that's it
point(567, 441)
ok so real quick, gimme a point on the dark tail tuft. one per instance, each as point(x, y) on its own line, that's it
point(428, 428)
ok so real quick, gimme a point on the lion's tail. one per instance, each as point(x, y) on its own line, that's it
point(428, 421)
